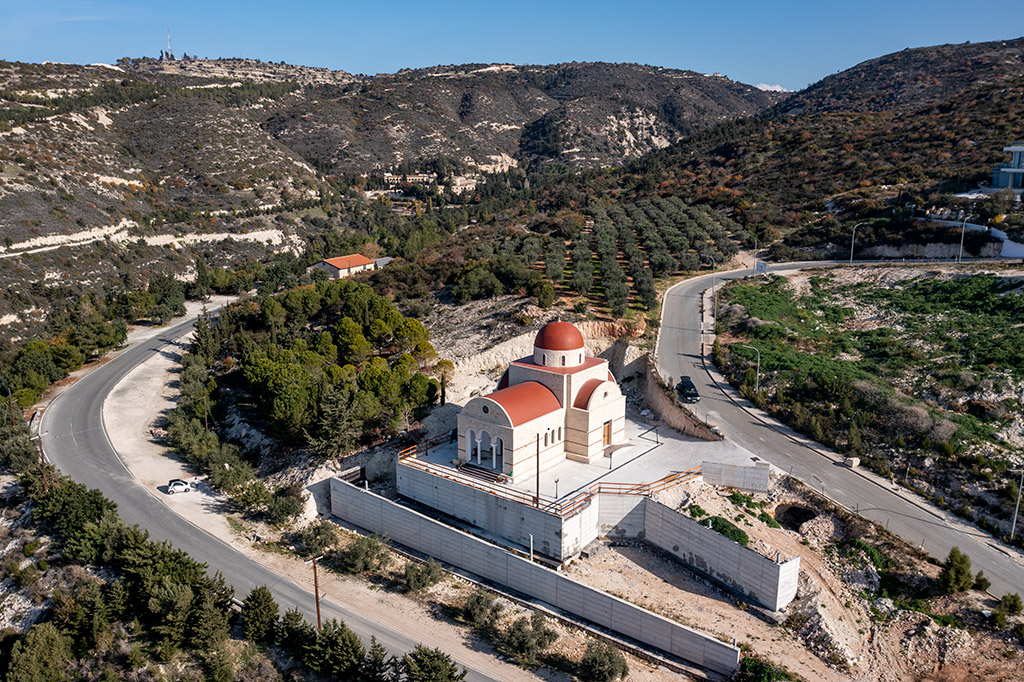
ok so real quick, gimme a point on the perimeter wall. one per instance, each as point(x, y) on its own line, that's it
point(423, 534)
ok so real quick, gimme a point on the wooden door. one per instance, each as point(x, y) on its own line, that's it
point(608, 433)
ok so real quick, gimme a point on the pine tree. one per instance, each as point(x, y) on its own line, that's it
point(430, 665)
point(378, 666)
point(259, 615)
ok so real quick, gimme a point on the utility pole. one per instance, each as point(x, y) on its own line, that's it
point(316, 590)
point(10, 400)
point(1013, 530)
point(537, 498)
point(757, 372)
point(42, 462)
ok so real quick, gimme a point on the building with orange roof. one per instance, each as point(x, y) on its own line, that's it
point(555, 405)
point(344, 266)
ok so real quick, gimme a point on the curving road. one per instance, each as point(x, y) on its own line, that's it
point(682, 343)
point(75, 440)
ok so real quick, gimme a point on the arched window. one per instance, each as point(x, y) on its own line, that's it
point(581, 358)
point(563, 361)
point(545, 440)
point(559, 433)
point(544, 360)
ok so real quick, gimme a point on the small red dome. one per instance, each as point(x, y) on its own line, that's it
point(559, 336)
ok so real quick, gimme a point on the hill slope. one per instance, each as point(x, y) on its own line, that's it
point(920, 123)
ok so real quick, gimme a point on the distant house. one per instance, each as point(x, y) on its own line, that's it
point(1011, 175)
point(344, 266)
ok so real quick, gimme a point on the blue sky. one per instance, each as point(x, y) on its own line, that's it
point(790, 43)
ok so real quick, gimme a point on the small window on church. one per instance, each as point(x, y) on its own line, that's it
point(485, 409)
point(563, 361)
point(606, 395)
point(581, 358)
point(545, 359)
point(559, 433)
point(545, 440)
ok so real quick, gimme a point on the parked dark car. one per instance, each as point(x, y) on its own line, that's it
point(687, 391)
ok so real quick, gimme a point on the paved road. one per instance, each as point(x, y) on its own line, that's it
point(75, 440)
point(918, 522)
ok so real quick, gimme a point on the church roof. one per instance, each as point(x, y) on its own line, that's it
point(526, 401)
point(588, 362)
point(559, 336)
point(586, 390)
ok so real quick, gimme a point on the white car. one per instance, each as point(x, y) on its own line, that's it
point(176, 485)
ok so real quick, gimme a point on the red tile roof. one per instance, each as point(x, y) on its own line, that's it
point(345, 262)
point(588, 362)
point(526, 401)
point(559, 336)
point(586, 390)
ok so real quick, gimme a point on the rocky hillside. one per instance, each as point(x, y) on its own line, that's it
point(921, 124)
point(494, 116)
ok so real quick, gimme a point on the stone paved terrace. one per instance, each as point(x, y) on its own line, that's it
point(649, 457)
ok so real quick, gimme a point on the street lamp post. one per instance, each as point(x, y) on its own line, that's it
point(755, 251)
point(1013, 529)
point(757, 372)
point(852, 237)
point(714, 289)
point(963, 228)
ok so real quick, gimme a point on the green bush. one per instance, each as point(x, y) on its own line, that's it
point(525, 638)
point(956, 573)
point(767, 519)
point(421, 576)
point(368, 554)
point(318, 537)
point(697, 511)
point(1011, 603)
point(981, 582)
point(481, 610)
point(602, 662)
point(729, 530)
point(756, 670)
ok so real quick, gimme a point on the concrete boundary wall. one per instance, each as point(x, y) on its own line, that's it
point(767, 582)
point(423, 534)
point(506, 518)
point(755, 478)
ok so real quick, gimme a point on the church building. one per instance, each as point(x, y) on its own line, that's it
point(558, 404)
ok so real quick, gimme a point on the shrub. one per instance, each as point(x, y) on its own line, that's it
point(767, 519)
point(956, 573)
point(526, 638)
point(602, 662)
point(981, 582)
point(998, 617)
point(1011, 603)
point(481, 610)
point(729, 530)
point(318, 537)
point(755, 670)
point(697, 511)
point(368, 554)
point(421, 576)
point(430, 665)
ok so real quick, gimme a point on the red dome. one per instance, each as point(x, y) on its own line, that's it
point(559, 336)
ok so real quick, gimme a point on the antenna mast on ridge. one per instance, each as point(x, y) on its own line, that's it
point(169, 50)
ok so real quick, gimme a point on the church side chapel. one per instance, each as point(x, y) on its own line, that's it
point(558, 404)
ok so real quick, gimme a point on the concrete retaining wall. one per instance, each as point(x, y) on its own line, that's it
point(754, 478)
point(766, 582)
point(621, 516)
point(405, 526)
point(670, 413)
point(505, 518)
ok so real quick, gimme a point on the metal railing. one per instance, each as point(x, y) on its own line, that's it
point(563, 508)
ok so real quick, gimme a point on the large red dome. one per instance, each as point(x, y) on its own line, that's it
point(559, 336)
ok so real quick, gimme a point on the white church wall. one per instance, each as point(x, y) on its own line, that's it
point(517, 374)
